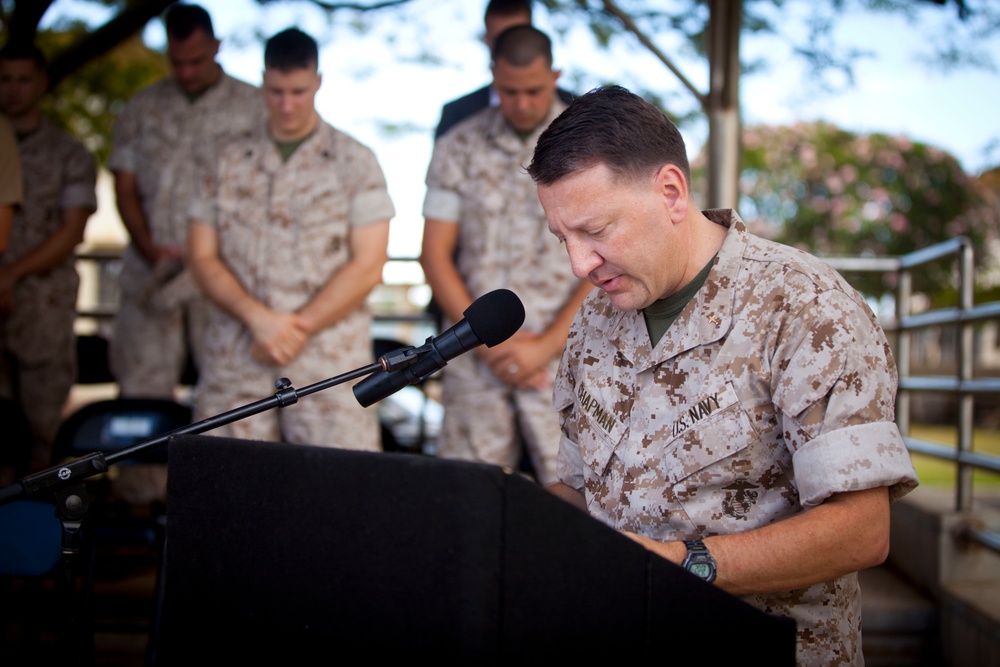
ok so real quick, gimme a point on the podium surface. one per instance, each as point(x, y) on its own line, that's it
point(295, 553)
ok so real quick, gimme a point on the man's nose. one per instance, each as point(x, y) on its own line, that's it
point(582, 258)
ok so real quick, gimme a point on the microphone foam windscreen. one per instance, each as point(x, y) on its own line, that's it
point(495, 316)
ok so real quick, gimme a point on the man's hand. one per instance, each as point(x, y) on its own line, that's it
point(519, 361)
point(278, 338)
point(166, 252)
point(569, 494)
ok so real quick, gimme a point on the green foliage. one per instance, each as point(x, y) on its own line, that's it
point(832, 192)
point(85, 102)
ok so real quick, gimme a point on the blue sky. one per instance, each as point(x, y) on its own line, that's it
point(368, 84)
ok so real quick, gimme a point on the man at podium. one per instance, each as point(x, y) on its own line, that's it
point(726, 401)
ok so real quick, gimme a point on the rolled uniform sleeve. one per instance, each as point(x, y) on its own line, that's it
point(836, 392)
point(202, 209)
point(371, 206)
point(202, 206)
point(445, 172)
point(442, 205)
point(842, 460)
point(371, 201)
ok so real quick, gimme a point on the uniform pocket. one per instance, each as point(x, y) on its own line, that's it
point(728, 478)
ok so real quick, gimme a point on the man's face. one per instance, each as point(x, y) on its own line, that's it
point(619, 235)
point(22, 85)
point(193, 61)
point(290, 97)
point(525, 93)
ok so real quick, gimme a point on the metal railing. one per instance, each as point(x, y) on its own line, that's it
point(962, 383)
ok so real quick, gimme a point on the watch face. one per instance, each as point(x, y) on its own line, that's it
point(702, 570)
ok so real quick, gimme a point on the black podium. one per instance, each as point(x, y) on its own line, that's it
point(308, 555)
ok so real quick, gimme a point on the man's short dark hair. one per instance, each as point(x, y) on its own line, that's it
point(610, 126)
point(24, 51)
point(291, 49)
point(521, 45)
point(182, 20)
point(508, 8)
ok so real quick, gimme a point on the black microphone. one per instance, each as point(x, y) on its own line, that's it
point(491, 319)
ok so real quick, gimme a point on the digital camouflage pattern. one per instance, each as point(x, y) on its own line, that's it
point(157, 137)
point(477, 179)
point(283, 230)
point(37, 342)
point(11, 189)
point(773, 389)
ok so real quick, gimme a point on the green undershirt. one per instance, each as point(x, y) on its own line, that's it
point(193, 97)
point(286, 148)
point(660, 314)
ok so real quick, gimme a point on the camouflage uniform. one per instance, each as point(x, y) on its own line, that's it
point(156, 138)
point(38, 360)
point(11, 189)
point(773, 389)
point(477, 179)
point(283, 231)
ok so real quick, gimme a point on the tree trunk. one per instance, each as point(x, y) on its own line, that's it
point(723, 103)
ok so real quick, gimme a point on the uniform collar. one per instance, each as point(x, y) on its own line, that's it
point(39, 130)
point(706, 319)
point(317, 143)
point(501, 134)
point(215, 89)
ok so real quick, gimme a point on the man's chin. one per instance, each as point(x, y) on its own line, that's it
point(525, 127)
point(192, 87)
point(625, 302)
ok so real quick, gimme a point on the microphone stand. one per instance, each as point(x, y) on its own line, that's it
point(66, 481)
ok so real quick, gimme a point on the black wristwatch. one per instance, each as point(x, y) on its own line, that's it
point(698, 561)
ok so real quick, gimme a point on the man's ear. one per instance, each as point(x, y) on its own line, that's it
point(673, 187)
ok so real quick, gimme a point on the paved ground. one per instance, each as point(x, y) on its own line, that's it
point(121, 605)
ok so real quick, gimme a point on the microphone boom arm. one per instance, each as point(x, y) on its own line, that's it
point(93, 464)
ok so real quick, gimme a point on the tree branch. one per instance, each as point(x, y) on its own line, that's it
point(613, 9)
point(334, 6)
point(95, 44)
point(960, 7)
point(24, 20)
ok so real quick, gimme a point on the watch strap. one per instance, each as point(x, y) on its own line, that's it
point(699, 561)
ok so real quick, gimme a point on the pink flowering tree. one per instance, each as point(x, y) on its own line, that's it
point(832, 192)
